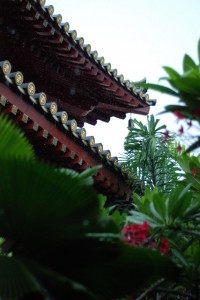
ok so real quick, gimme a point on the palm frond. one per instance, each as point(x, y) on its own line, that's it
point(13, 141)
point(16, 280)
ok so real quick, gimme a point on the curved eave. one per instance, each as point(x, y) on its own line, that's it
point(55, 140)
point(34, 41)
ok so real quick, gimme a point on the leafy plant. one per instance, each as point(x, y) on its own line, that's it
point(175, 217)
point(150, 158)
point(55, 243)
point(186, 87)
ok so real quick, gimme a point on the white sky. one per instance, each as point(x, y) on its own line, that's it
point(137, 38)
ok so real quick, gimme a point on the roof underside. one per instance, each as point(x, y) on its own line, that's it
point(80, 83)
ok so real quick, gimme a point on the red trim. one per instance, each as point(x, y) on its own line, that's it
point(49, 134)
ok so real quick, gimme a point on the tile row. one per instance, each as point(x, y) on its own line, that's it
point(51, 111)
point(56, 21)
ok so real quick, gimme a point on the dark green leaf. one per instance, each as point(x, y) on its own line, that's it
point(180, 257)
point(13, 142)
point(198, 50)
point(128, 260)
point(194, 233)
point(187, 85)
point(188, 63)
point(193, 146)
point(173, 74)
point(155, 213)
point(16, 280)
point(41, 203)
point(160, 88)
point(138, 218)
point(172, 108)
point(57, 284)
point(160, 205)
point(195, 181)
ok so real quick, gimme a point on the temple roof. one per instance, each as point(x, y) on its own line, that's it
point(51, 83)
point(55, 137)
point(37, 42)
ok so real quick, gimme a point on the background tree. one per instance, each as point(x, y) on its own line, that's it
point(150, 157)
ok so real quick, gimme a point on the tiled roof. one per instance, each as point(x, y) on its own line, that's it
point(55, 137)
point(66, 84)
point(75, 76)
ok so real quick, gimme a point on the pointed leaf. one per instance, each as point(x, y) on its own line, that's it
point(195, 181)
point(155, 212)
point(180, 257)
point(179, 201)
point(160, 88)
point(188, 63)
point(187, 85)
point(194, 233)
point(138, 218)
point(160, 206)
point(198, 50)
point(173, 74)
point(193, 147)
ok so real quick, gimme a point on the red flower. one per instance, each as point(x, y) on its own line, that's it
point(179, 148)
point(181, 130)
point(165, 135)
point(136, 234)
point(145, 226)
point(164, 246)
point(194, 171)
point(179, 115)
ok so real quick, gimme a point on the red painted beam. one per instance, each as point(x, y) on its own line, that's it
point(119, 186)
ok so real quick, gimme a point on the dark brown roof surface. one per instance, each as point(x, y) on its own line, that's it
point(38, 43)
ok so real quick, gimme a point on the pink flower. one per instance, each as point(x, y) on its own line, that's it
point(179, 148)
point(181, 130)
point(179, 115)
point(189, 123)
point(194, 171)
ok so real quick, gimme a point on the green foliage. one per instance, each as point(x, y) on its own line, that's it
point(150, 158)
point(166, 211)
point(13, 142)
point(191, 164)
point(15, 279)
point(56, 243)
point(186, 87)
point(175, 217)
point(110, 214)
point(42, 191)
